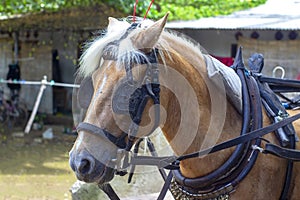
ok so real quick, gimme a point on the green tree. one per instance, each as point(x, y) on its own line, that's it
point(179, 9)
point(192, 9)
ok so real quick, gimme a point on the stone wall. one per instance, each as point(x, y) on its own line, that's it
point(6, 55)
point(276, 53)
point(35, 62)
point(39, 34)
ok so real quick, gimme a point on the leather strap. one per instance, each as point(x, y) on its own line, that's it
point(281, 85)
point(165, 187)
point(168, 162)
point(118, 141)
point(242, 139)
point(109, 191)
point(289, 154)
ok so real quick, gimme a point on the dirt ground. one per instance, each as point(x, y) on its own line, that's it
point(35, 168)
point(32, 168)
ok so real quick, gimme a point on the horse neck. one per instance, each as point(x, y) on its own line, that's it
point(197, 123)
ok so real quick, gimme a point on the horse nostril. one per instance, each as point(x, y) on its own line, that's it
point(86, 166)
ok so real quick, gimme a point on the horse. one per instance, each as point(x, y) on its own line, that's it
point(195, 107)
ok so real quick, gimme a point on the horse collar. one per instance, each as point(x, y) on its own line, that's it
point(219, 183)
point(180, 192)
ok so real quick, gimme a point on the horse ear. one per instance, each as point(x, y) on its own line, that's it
point(114, 24)
point(112, 21)
point(146, 39)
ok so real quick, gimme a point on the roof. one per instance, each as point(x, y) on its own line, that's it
point(73, 19)
point(273, 15)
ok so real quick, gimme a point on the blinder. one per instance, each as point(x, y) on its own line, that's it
point(85, 92)
point(131, 96)
point(123, 97)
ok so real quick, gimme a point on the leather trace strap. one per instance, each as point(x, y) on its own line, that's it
point(281, 85)
point(286, 153)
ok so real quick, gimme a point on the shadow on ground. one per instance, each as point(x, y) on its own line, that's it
point(31, 154)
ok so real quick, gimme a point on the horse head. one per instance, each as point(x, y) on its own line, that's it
point(116, 72)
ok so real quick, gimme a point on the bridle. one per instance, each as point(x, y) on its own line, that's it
point(132, 104)
point(249, 139)
point(139, 96)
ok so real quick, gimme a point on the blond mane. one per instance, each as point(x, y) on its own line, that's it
point(125, 51)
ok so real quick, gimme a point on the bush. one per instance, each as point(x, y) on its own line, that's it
point(187, 9)
point(179, 9)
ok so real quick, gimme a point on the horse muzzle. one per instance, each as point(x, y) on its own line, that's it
point(88, 169)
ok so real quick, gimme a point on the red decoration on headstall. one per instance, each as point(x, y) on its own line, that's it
point(134, 10)
point(148, 9)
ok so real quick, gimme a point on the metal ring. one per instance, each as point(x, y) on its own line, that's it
point(279, 68)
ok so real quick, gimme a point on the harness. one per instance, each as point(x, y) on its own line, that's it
point(257, 90)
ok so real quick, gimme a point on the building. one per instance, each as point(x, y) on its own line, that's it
point(271, 29)
point(49, 44)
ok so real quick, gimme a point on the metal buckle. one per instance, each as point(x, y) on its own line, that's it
point(255, 148)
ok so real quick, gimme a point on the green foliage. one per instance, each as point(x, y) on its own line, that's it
point(179, 9)
point(195, 9)
point(10, 7)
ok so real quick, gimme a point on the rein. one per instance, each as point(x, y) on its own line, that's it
point(169, 162)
